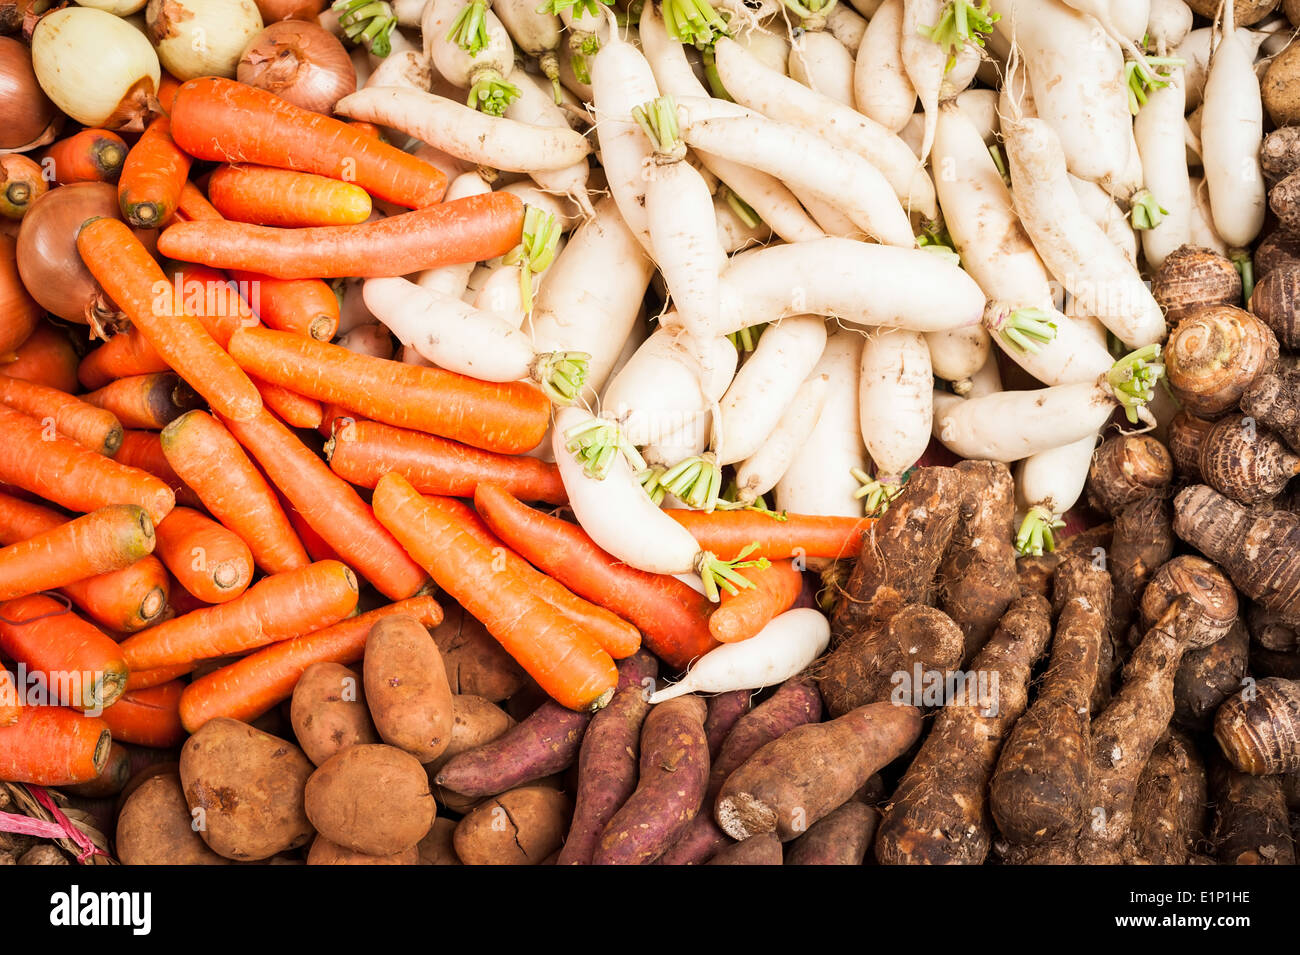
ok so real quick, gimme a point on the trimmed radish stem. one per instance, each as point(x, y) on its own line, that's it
point(1049, 483)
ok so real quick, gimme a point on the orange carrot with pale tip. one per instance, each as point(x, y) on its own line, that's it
point(146, 402)
point(92, 155)
point(108, 539)
point(53, 746)
point(155, 169)
point(264, 195)
point(92, 427)
point(207, 559)
point(81, 666)
point(148, 717)
point(741, 615)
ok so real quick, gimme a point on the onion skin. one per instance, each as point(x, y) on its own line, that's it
point(201, 37)
point(19, 312)
point(27, 117)
point(273, 11)
point(300, 62)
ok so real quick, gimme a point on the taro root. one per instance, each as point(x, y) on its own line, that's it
point(1270, 631)
point(1186, 434)
point(1280, 247)
point(1277, 88)
point(1142, 542)
point(1251, 826)
point(1212, 356)
point(1206, 584)
point(1208, 676)
point(1276, 302)
point(1279, 156)
point(1273, 399)
point(1245, 12)
point(1258, 729)
point(1125, 469)
point(1169, 811)
point(1245, 461)
point(1192, 277)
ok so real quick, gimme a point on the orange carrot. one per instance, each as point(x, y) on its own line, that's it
point(564, 660)
point(80, 665)
point(275, 608)
point(22, 182)
point(208, 560)
point(295, 410)
point(92, 155)
point(281, 197)
point(472, 229)
point(132, 279)
point(125, 354)
point(223, 121)
point(94, 428)
point(144, 679)
point(152, 177)
point(146, 402)
point(779, 536)
point(108, 539)
point(45, 356)
point(167, 87)
point(11, 703)
point(743, 614)
point(149, 717)
point(303, 306)
point(366, 129)
point(317, 547)
point(361, 452)
point(671, 615)
point(247, 688)
point(212, 298)
point(207, 457)
point(127, 600)
point(62, 471)
point(194, 205)
point(507, 417)
point(53, 746)
point(143, 450)
point(330, 505)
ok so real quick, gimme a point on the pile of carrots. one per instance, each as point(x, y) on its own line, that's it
point(175, 537)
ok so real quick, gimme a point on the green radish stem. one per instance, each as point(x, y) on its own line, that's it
point(1141, 78)
point(875, 495)
point(693, 21)
point(469, 31)
point(1246, 267)
point(1132, 380)
point(560, 374)
point(695, 481)
point(1037, 532)
point(743, 210)
point(713, 76)
point(813, 13)
point(658, 119)
point(1145, 212)
point(1027, 328)
point(938, 241)
point(535, 252)
point(746, 339)
point(597, 444)
point(368, 22)
point(715, 572)
point(996, 152)
point(651, 480)
point(961, 22)
point(490, 92)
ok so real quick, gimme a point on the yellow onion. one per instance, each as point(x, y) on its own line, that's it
point(19, 312)
point(201, 37)
point(119, 8)
point(27, 117)
point(273, 11)
point(300, 62)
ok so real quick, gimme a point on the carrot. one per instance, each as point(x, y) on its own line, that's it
point(80, 666)
point(472, 229)
point(250, 686)
point(194, 205)
point(306, 307)
point(671, 615)
point(282, 197)
point(207, 559)
point(130, 276)
point(126, 600)
point(62, 471)
point(366, 129)
point(167, 87)
point(144, 679)
point(46, 358)
point(295, 410)
point(152, 176)
point(743, 614)
point(507, 417)
point(92, 155)
point(779, 535)
point(212, 298)
point(10, 702)
point(275, 608)
point(148, 717)
point(148, 402)
point(143, 450)
point(207, 457)
point(125, 354)
point(361, 452)
point(317, 547)
point(96, 429)
point(223, 121)
point(108, 539)
point(330, 506)
point(53, 746)
point(564, 660)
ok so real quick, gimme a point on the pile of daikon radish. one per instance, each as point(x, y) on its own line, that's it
point(890, 193)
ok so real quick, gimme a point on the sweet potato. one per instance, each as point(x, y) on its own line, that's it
point(324, 852)
point(764, 849)
point(245, 790)
point(724, 710)
point(475, 722)
point(155, 827)
point(545, 742)
point(1251, 826)
point(607, 760)
point(436, 848)
point(1208, 676)
point(1169, 809)
point(520, 827)
point(474, 662)
point(328, 711)
point(674, 774)
point(812, 770)
point(371, 798)
point(939, 813)
point(843, 838)
point(406, 687)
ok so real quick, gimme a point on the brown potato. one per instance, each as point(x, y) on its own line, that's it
point(474, 661)
point(249, 786)
point(475, 721)
point(436, 848)
point(371, 798)
point(521, 827)
point(406, 687)
point(324, 852)
point(155, 827)
point(329, 711)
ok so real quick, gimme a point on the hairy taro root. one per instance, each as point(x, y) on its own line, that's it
point(1270, 631)
point(1208, 676)
point(1273, 400)
point(1169, 809)
point(1258, 729)
point(1212, 356)
point(1248, 463)
point(1280, 247)
point(1251, 826)
point(1125, 469)
point(1205, 584)
point(1279, 155)
point(1192, 277)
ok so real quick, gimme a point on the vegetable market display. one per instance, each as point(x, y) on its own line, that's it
point(736, 433)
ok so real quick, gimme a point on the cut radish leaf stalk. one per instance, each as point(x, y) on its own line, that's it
point(813, 13)
point(1037, 532)
point(367, 22)
point(597, 444)
point(1132, 380)
point(1246, 267)
point(693, 21)
point(695, 481)
point(1025, 329)
point(939, 242)
point(715, 573)
point(535, 251)
point(658, 119)
point(651, 479)
point(1000, 162)
point(1145, 212)
point(560, 374)
point(960, 23)
point(469, 31)
point(874, 494)
point(491, 93)
point(578, 8)
point(746, 339)
point(1141, 78)
point(743, 210)
point(714, 78)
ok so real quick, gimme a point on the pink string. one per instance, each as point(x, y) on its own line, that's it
point(61, 828)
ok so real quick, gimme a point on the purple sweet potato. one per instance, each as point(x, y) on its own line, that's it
point(842, 838)
point(724, 710)
point(760, 850)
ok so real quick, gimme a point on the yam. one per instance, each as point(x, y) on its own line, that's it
point(474, 722)
point(328, 711)
point(1251, 825)
point(1208, 676)
point(763, 849)
point(372, 799)
point(406, 687)
point(1169, 809)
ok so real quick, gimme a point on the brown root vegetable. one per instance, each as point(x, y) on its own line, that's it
point(475, 722)
point(245, 790)
point(1276, 298)
point(1205, 583)
point(939, 814)
point(812, 770)
point(1186, 435)
point(1273, 400)
point(1251, 826)
point(1212, 356)
point(155, 827)
point(844, 837)
point(1039, 789)
point(1169, 808)
point(1246, 12)
point(406, 687)
point(328, 711)
point(869, 666)
point(724, 710)
point(1034, 572)
point(674, 774)
point(1142, 542)
point(1279, 155)
point(1192, 278)
point(545, 742)
point(763, 849)
point(520, 827)
point(371, 798)
point(1270, 631)
point(901, 554)
point(1258, 729)
point(1277, 88)
point(607, 760)
point(1208, 676)
point(324, 852)
point(1257, 548)
point(1246, 462)
point(1279, 247)
point(437, 847)
point(301, 62)
point(1125, 469)
point(475, 663)
point(977, 576)
point(795, 703)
